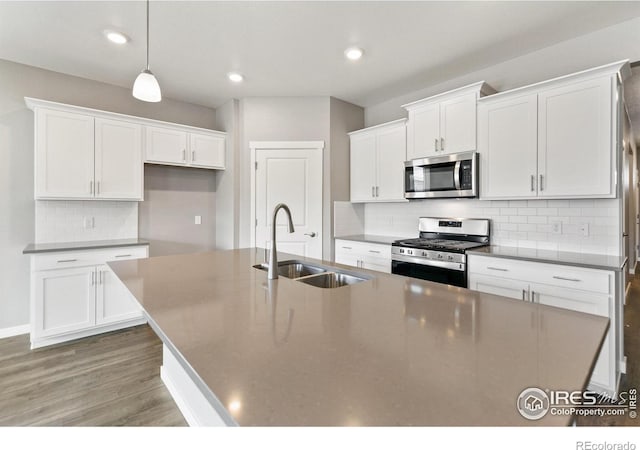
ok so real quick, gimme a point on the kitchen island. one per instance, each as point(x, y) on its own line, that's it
point(387, 351)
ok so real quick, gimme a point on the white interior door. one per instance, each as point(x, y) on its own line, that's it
point(294, 177)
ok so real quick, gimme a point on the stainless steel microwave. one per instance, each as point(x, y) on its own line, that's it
point(454, 175)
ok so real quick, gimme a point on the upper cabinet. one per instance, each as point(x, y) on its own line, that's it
point(377, 163)
point(82, 153)
point(182, 148)
point(444, 123)
point(555, 139)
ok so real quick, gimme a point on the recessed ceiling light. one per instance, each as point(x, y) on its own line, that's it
point(353, 53)
point(116, 37)
point(235, 77)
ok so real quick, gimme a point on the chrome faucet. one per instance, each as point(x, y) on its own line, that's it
point(273, 256)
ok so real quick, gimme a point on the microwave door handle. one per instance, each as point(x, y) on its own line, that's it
point(456, 175)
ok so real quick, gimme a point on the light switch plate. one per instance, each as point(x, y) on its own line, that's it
point(198, 220)
point(584, 229)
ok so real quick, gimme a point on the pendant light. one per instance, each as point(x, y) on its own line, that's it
point(146, 87)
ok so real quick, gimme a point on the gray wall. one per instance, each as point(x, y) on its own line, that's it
point(227, 181)
point(173, 196)
point(281, 119)
point(344, 118)
point(16, 154)
point(601, 47)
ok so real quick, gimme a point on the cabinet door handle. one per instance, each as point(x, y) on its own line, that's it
point(193, 155)
point(184, 155)
point(533, 182)
point(92, 282)
point(97, 188)
point(566, 279)
point(66, 260)
point(533, 296)
point(497, 268)
point(441, 144)
point(541, 185)
point(373, 191)
point(435, 144)
point(91, 187)
point(312, 234)
point(523, 294)
point(377, 188)
point(123, 256)
point(347, 248)
point(374, 251)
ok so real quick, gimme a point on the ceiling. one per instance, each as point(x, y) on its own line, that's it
point(291, 48)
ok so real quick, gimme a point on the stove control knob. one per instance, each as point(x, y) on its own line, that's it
point(440, 256)
point(450, 257)
point(425, 254)
point(401, 250)
point(409, 252)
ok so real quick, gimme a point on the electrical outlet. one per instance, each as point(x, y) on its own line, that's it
point(198, 220)
point(87, 222)
point(584, 229)
point(556, 227)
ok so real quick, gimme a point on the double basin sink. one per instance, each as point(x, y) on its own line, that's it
point(316, 275)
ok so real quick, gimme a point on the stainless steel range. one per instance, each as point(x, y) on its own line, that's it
point(439, 253)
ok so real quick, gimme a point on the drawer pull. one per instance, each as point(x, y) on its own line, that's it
point(374, 251)
point(123, 256)
point(566, 279)
point(497, 268)
point(66, 260)
point(346, 248)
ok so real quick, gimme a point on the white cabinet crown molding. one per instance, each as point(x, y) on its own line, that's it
point(286, 145)
point(34, 103)
point(379, 126)
point(621, 68)
point(481, 88)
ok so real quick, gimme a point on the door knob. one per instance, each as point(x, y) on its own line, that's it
point(312, 234)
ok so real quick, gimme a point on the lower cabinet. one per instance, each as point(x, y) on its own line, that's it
point(546, 284)
point(364, 255)
point(75, 294)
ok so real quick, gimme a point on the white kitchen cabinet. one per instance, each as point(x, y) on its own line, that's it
point(445, 123)
point(114, 303)
point(165, 146)
point(207, 151)
point(74, 294)
point(65, 301)
point(365, 255)
point(585, 290)
point(575, 140)
point(555, 139)
point(64, 157)
point(377, 163)
point(507, 147)
point(118, 160)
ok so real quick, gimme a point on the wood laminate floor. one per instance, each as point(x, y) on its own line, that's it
point(114, 379)
point(111, 379)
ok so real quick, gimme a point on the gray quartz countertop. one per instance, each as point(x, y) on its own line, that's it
point(82, 245)
point(371, 238)
point(388, 351)
point(589, 260)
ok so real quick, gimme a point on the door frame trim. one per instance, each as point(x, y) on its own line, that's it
point(255, 146)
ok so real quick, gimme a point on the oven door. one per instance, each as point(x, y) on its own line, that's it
point(437, 274)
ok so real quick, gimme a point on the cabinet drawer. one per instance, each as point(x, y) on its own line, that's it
point(63, 260)
point(591, 280)
point(363, 248)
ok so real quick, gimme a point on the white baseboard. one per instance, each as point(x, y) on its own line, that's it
point(181, 403)
point(14, 331)
point(632, 268)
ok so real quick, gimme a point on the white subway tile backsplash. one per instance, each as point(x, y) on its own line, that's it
point(64, 221)
point(523, 223)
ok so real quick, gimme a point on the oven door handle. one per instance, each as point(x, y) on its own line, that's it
point(456, 175)
point(460, 267)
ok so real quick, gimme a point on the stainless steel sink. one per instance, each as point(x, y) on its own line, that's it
point(316, 275)
point(294, 269)
point(332, 280)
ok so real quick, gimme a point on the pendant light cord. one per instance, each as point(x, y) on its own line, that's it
point(147, 34)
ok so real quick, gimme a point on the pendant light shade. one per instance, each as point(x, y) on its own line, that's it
point(146, 87)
